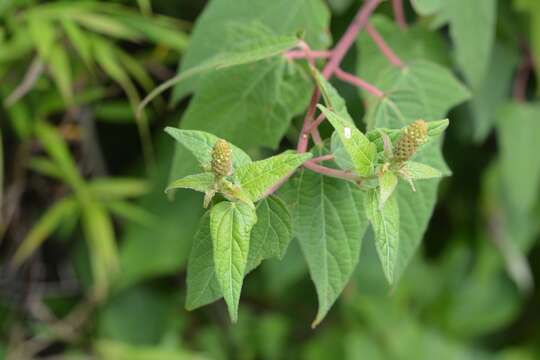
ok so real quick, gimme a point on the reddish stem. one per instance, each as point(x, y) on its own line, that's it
point(522, 77)
point(304, 134)
point(340, 174)
point(399, 14)
point(318, 121)
point(316, 136)
point(301, 54)
point(356, 81)
point(349, 37)
point(322, 158)
point(383, 46)
point(338, 53)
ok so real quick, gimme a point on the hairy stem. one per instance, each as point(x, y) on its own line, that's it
point(304, 134)
point(383, 46)
point(356, 81)
point(340, 174)
point(399, 14)
point(338, 53)
point(349, 37)
point(318, 121)
point(322, 158)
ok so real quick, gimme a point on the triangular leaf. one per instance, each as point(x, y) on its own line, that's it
point(270, 237)
point(230, 228)
point(330, 225)
point(359, 148)
point(199, 182)
point(260, 176)
point(201, 143)
point(417, 171)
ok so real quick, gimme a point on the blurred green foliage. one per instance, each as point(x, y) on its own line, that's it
point(94, 256)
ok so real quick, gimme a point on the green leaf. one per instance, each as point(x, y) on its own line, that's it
point(257, 46)
point(201, 143)
point(272, 234)
point(60, 68)
point(47, 224)
point(156, 31)
point(493, 90)
point(99, 233)
point(106, 25)
point(202, 284)
point(415, 44)
point(517, 129)
point(473, 53)
point(418, 171)
point(59, 152)
point(131, 212)
point(427, 7)
point(43, 35)
point(421, 90)
point(330, 225)
point(341, 156)
point(78, 40)
point(260, 176)
point(259, 98)
point(230, 228)
point(435, 130)
point(117, 188)
point(386, 226)
point(416, 207)
point(198, 182)
point(270, 237)
point(387, 184)
point(106, 56)
point(359, 148)
point(332, 98)
point(283, 17)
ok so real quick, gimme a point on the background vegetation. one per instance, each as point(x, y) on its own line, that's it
point(83, 178)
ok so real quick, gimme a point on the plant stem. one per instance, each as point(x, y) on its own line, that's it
point(349, 37)
point(322, 158)
point(315, 124)
point(304, 134)
point(340, 174)
point(338, 53)
point(383, 46)
point(316, 136)
point(356, 81)
point(399, 14)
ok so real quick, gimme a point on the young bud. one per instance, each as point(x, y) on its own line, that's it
point(222, 159)
point(414, 135)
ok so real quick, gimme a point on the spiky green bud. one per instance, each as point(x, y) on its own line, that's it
point(222, 158)
point(413, 136)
